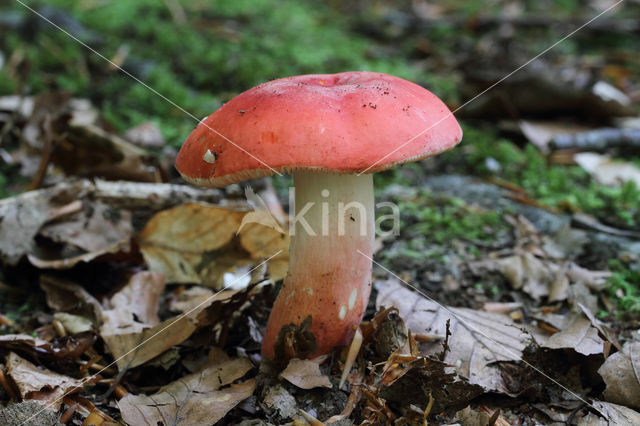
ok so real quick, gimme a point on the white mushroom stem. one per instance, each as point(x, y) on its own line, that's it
point(329, 275)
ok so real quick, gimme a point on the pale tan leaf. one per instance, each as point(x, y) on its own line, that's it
point(621, 373)
point(579, 335)
point(136, 348)
point(196, 399)
point(305, 373)
point(607, 171)
point(478, 339)
point(197, 243)
point(96, 228)
point(131, 328)
point(39, 384)
point(74, 323)
point(612, 414)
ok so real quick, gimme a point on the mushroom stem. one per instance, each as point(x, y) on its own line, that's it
point(328, 278)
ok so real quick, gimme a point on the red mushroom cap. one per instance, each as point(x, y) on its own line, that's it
point(345, 123)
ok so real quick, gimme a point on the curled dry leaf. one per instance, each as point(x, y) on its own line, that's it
point(478, 339)
point(305, 373)
point(131, 328)
point(197, 399)
point(612, 414)
point(145, 134)
point(65, 296)
point(40, 384)
point(63, 349)
point(97, 227)
point(74, 323)
point(579, 335)
point(621, 373)
point(607, 171)
point(542, 278)
point(197, 243)
point(22, 217)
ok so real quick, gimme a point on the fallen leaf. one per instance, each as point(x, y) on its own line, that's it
point(145, 134)
point(282, 402)
point(97, 227)
point(39, 384)
point(478, 339)
point(74, 323)
point(131, 328)
point(305, 373)
point(541, 133)
point(579, 335)
point(21, 218)
point(66, 296)
point(621, 373)
point(541, 277)
point(196, 399)
point(197, 243)
point(525, 272)
point(606, 170)
point(62, 350)
point(613, 415)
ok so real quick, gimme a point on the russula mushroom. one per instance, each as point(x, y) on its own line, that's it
point(331, 131)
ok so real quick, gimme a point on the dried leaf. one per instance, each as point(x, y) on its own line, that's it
point(145, 134)
point(21, 218)
point(613, 415)
point(96, 228)
point(541, 133)
point(63, 349)
point(478, 338)
point(74, 323)
point(66, 296)
point(607, 171)
point(579, 335)
point(196, 399)
point(197, 243)
point(39, 384)
point(133, 319)
point(305, 373)
point(621, 373)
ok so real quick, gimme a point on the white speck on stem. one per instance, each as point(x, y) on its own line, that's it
point(352, 298)
point(343, 312)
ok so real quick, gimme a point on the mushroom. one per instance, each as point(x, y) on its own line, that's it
point(332, 132)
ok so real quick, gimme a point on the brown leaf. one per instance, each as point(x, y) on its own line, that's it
point(96, 228)
point(65, 296)
point(621, 373)
point(579, 335)
point(305, 373)
point(22, 217)
point(61, 349)
point(478, 338)
point(145, 134)
point(607, 171)
point(131, 328)
point(197, 243)
point(196, 399)
point(613, 415)
point(40, 384)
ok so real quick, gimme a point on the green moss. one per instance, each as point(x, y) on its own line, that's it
point(624, 286)
point(566, 187)
point(441, 219)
